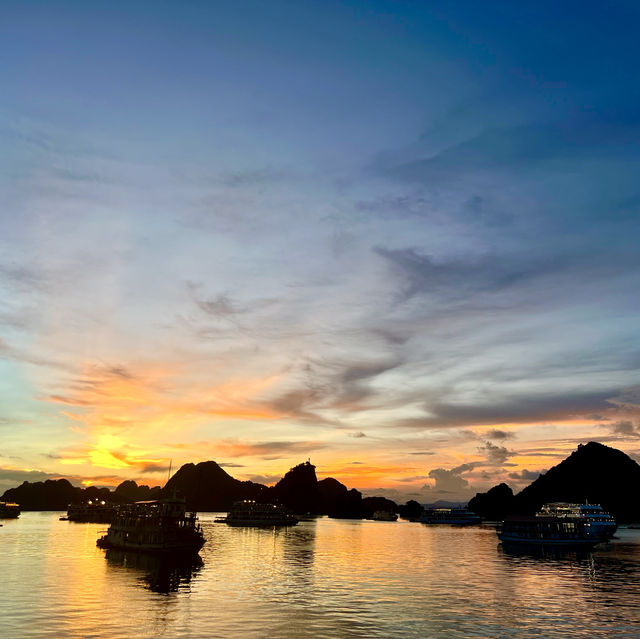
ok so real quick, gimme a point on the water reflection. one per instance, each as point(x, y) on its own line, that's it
point(163, 574)
point(544, 552)
point(320, 579)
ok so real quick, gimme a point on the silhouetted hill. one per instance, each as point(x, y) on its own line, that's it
point(129, 491)
point(57, 494)
point(594, 473)
point(297, 490)
point(337, 501)
point(371, 504)
point(495, 504)
point(206, 486)
point(52, 494)
point(411, 510)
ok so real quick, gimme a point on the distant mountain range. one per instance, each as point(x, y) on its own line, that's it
point(593, 473)
point(207, 487)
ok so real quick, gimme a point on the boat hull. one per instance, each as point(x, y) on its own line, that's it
point(564, 543)
point(162, 548)
point(572, 532)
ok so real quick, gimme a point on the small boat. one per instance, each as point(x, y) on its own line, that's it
point(451, 516)
point(601, 523)
point(94, 511)
point(252, 513)
point(548, 530)
point(384, 515)
point(160, 525)
point(9, 510)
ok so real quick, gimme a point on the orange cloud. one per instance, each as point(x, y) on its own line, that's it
point(112, 401)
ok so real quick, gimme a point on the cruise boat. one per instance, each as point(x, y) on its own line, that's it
point(384, 515)
point(94, 511)
point(161, 525)
point(9, 510)
point(601, 523)
point(451, 516)
point(548, 530)
point(252, 513)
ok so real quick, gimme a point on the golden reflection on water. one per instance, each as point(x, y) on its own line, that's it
point(322, 578)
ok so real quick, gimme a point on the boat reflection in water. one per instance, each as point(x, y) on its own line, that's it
point(158, 573)
point(544, 552)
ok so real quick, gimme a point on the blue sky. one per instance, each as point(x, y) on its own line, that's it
point(399, 238)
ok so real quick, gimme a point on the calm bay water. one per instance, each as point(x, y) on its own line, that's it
point(323, 578)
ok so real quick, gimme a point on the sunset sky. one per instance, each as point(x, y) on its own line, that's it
point(401, 239)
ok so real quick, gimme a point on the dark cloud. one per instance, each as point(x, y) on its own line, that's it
point(448, 481)
point(151, 467)
point(496, 455)
point(351, 385)
point(422, 452)
point(338, 385)
point(267, 450)
point(628, 397)
point(414, 478)
point(357, 434)
point(230, 465)
point(512, 409)
point(219, 306)
point(626, 428)
point(10, 478)
point(498, 434)
point(455, 278)
point(526, 475)
point(18, 476)
point(120, 371)
point(300, 404)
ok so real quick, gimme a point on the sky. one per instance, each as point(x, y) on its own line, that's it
point(400, 239)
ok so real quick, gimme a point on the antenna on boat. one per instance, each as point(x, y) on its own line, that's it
point(170, 462)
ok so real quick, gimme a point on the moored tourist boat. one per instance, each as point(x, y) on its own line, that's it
point(94, 511)
point(252, 513)
point(451, 516)
point(161, 525)
point(551, 531)
point(600, 523)
point(9, 510)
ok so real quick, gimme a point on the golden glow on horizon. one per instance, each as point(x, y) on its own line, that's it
point(134, 423)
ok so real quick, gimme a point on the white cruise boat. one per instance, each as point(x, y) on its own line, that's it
point(601, 524)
